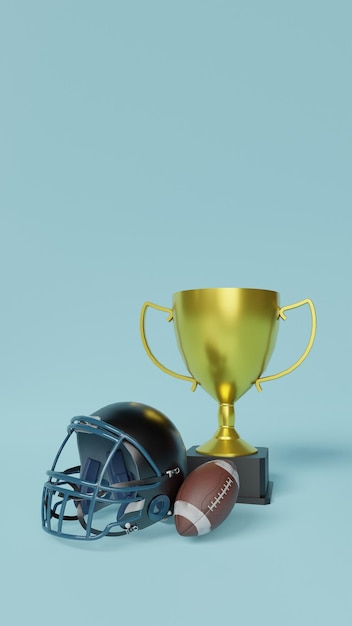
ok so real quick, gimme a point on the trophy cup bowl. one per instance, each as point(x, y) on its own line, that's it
point(226, 337)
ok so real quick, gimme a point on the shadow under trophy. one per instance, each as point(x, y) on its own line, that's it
point(226, 337)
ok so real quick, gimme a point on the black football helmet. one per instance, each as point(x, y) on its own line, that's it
point(132, 462)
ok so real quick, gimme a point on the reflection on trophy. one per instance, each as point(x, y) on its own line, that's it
point(226, 338)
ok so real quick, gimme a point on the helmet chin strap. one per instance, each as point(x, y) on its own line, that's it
point(94, 531)
point(129, 527)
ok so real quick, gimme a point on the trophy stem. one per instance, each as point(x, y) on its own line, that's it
point(226, 415)
point(226, 442)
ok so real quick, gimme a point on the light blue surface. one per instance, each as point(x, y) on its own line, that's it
point(148, 147)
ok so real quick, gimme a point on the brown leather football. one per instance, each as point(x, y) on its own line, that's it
point(206, 497)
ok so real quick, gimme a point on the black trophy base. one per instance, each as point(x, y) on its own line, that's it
point(253, 471)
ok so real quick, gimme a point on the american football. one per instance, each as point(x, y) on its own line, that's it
point(206, 497)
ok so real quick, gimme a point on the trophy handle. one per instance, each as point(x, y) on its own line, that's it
point(281, 314)
point(147, 348)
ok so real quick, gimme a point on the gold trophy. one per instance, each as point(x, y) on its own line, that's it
point(226, 337)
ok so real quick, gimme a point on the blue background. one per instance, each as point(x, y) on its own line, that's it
point(149, 147)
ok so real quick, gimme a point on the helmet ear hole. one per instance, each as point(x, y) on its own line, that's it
point(158, 507)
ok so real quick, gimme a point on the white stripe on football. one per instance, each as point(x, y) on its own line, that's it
point(190, 512)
